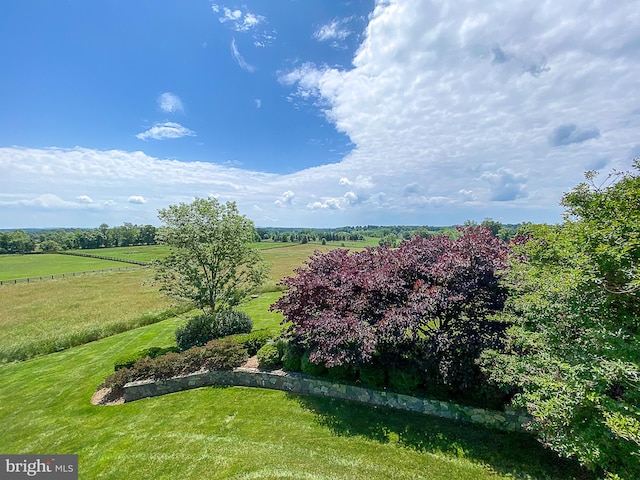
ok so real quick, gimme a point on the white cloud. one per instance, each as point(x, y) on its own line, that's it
point(287, 198)
point(238, 20)
point(47, 201)
point(240, 59)
point(162, 131)
point(334, 203)
point(334, 31)
point(258, 103)
point(457, 110)
point(472, 99)
point(138, 199)
point(170, 103)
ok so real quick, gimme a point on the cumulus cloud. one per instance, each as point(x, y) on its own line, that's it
point(138, 199)
point(287, 198)
point(437, 91)
point(84, 199)
point(570, 133)
point(506, 185)
point(240, 59)
point(334, 203)
point(162, 131)
point(170, 103)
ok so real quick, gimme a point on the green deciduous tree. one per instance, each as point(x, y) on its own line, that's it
point(211, 262)
point(574, 344)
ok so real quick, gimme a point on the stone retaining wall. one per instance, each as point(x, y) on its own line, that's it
point(307, 385)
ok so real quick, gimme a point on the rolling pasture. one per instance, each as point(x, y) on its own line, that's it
point(15, 267)
point(212, 433)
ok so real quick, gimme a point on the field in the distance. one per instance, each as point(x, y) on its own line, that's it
point(282, 257)
point(14, 267)
point(48, 316)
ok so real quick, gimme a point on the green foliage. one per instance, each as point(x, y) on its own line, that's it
point(196, 332)
point(342, 372)
point(216, 355)
point(269, 357)
point(292, 358)
point(253, 341)
point(127, 361)
point(404, 380)
point(372, 375)
point(202, 328)
point(230, 322)
point(573, 345)
point(211, 263)
point(310, 368)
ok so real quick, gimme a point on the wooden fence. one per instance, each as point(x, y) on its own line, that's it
point(102, 257)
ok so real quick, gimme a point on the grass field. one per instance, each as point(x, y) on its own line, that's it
point(56, 314)
point(239, 433)
point(282, 257)
point(14, 267)
point(44, 317)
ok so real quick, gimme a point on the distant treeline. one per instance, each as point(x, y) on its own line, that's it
point(61, 239)
point(391, 235)
point(54, 240)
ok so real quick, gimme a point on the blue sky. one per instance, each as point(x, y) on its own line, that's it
point(312, 113)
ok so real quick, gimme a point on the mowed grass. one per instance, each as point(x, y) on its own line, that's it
point(14, 267)
point(240, 433)
point(44, 317)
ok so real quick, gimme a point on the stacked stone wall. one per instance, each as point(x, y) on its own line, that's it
point(307, 385)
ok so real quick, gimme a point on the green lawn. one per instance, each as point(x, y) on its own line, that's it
point(239, 433)
point(31, 266)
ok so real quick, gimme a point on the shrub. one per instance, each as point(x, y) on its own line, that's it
point(342, 372)
point(224, 354)
point(252, 341)
point(372, 375)
point(152, 352)
point(311, 368)
point(203, 328)
point(404, 381)
point(230, 322)
point(215, 355)
point(291, 358)
point(196, 332)
point(269, 357)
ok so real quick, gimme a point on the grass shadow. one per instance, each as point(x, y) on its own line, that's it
point(516, 454)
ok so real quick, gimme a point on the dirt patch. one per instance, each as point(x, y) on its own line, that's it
point(252, 362)
point(104, 397)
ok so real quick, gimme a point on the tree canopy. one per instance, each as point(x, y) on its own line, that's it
point(211, 262)
point(574, 345)
point(426, 303)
